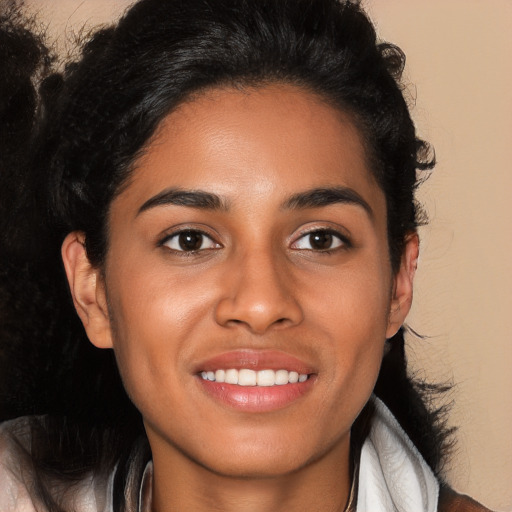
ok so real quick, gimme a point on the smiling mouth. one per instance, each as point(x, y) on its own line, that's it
point(261, 378)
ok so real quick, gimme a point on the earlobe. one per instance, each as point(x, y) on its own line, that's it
point(87, 289)
point(401, 300)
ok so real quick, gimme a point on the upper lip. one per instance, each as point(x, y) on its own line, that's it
point(255, 360)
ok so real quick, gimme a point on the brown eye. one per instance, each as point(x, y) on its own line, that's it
point(190, 241)
point(320, 240)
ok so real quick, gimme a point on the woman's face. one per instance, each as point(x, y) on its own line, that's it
point(250, 244)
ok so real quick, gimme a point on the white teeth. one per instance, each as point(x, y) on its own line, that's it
point(266, 378)
point(247, 377)
point(281, 377)
point(231, 377)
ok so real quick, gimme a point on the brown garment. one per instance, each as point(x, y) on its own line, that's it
point(450, 501)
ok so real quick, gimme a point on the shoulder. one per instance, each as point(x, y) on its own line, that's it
point(450, 501)
point(20, 481)
point(15, 495)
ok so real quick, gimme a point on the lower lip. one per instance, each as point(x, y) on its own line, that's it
point(257, 398)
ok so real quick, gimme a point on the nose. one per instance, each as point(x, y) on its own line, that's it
point(258, 294)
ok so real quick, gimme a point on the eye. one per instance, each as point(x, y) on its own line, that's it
point(320, 240)
point(190, 240)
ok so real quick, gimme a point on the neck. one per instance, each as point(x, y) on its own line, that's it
point(180, 484)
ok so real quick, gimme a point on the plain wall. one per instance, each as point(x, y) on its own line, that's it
point(459, 68)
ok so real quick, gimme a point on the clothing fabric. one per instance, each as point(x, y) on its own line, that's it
point(18, 493)
point(391, 476)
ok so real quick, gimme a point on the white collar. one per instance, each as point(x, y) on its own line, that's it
point(393, 476)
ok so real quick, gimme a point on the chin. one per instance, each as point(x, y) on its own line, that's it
point(270, 460)
point(259, 468)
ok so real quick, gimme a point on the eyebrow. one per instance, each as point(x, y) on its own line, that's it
point(191, 198)
point(314, 198)
point(326, 196)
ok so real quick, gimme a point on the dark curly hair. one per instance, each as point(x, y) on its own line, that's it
point(83, 130)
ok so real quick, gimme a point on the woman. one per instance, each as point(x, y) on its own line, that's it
point(230, 186)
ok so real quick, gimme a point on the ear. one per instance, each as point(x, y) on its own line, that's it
point(87, 289)
point(401, 299)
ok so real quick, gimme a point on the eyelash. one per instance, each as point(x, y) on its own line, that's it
point(192, 231)
point(341, 240)
point(344, 242)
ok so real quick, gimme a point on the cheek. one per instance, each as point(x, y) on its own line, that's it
point(355, 299)
point(154, 317)
point(351, 315)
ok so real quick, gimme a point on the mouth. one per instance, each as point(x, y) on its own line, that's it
point(255, 381)
point(249, 377)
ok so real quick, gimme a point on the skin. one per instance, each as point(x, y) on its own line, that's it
point(256, 284)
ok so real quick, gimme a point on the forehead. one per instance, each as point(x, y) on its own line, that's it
point(255, 142)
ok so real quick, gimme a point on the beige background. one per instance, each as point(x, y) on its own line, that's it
point(459, 60)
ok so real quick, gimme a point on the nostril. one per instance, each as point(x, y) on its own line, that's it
point(257, 310)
